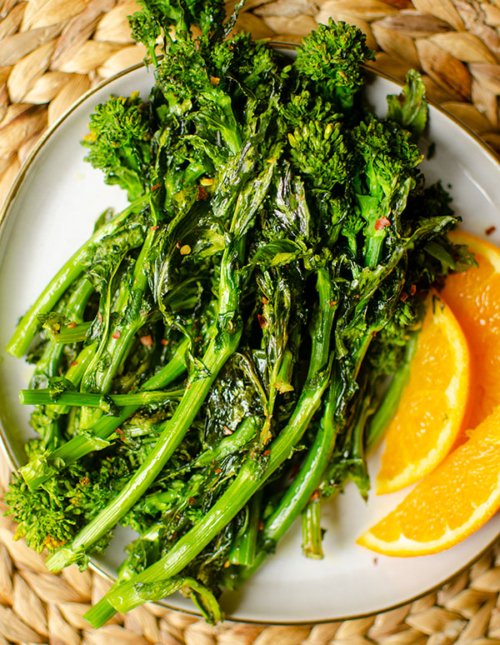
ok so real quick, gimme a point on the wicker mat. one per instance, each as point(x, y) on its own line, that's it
point(53, 51)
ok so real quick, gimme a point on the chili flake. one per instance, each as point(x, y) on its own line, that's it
point(490, 230)
point(202, 193)
point(381, 223)
point(117, 335)
point(72, 325)
point(147, 341)
point(262, 321)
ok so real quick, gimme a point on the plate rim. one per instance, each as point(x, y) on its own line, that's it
point(5, 444)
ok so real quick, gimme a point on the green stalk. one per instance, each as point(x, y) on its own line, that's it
point(29, 325)
point(244, 548)
point(312, 534)
point(73, 334)
point(76, 371)
point(46, 397)
point(223, 344)
point(392, 397)
point(228, 446)
point(120, 335)
point(49, 365)
point(248, 481)
point(37, 471)
point(303, 486)
point(219, 350)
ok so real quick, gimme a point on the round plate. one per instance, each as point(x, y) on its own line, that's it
point(52, 210)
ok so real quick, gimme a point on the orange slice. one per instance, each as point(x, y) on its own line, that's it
point(430, 413)
point(474, 297)
point(450, 503)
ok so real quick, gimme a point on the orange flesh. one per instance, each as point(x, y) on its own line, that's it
point(474, 297)
point(427, 421)
point(447, 498)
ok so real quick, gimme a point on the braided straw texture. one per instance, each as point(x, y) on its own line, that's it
point(52, 52)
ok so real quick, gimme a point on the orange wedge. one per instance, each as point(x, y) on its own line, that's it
point(432, 406)
point(474, 297)
point(450, 503)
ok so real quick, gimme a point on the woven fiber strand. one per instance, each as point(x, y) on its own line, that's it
point(52, 52)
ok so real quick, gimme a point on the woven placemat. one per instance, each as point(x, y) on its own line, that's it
point(52, 52)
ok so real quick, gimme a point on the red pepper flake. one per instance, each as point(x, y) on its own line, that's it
point(202, 193)
point(403, 296)
point(155, 187)
point(147, 341)
point(490, 230)
point(74, 363)
point(261, 526)
point(188, 386)
point(227, 431)
point(218, 471)
point(72, 325)
point(264, 300)
point(333, 303)
point(99, 317)
point(191, 501)
point(266, 453)
point(154, 228)
point(381, 223)
point(164, 341)
point(117, 335)
point(84, 481)
point(120, 433)
point(197, 339)
point(226, 564)
point(262, 321)
point(413, 290)
point(315, 495)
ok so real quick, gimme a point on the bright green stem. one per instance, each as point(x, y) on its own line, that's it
point(202, 597)
point(174, 430)
point(228, 446)
point(223, 344)
point(121, 335)
point(36, 472)
point(312, 534)
point(303, 486)
point(392, 397)
point(244, 548)
point(76, 371)
point(248, 481)
point(73, 334)
point(29, 325)
point(46, 397)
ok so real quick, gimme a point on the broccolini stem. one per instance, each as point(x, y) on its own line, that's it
point(29, 325)
point(390, 402)
point(244, 548)
point(250, 477)
point(311, 530)
point(46, 397)
point(229, 445)
point(73, 334)
point(120, 335)
point(37, 471)
point(223, 344)
point(304, 485)
point(239, 492)
point(174, 430)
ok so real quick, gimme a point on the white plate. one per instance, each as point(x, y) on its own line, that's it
point(53, 211)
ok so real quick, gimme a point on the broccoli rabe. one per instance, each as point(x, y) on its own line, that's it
point(221, 374)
